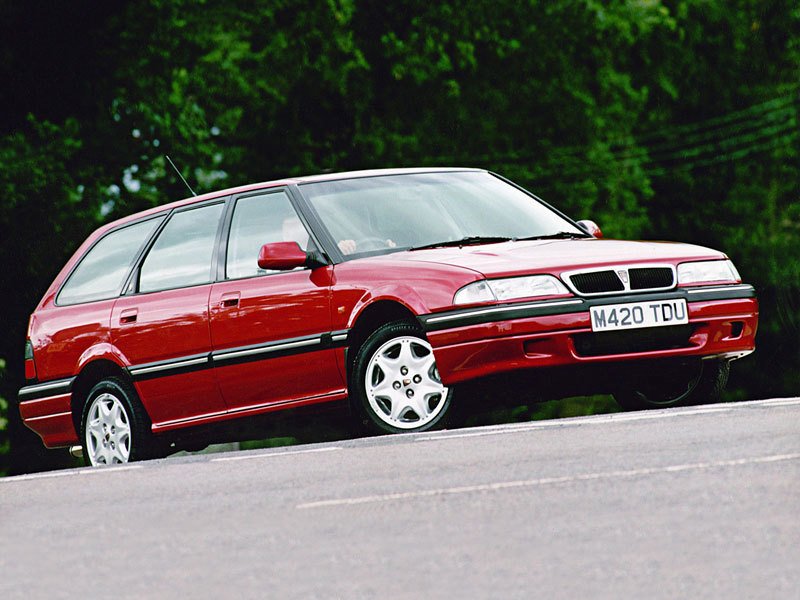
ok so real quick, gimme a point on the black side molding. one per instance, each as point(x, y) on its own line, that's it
point(45, 389)
point(239, 355)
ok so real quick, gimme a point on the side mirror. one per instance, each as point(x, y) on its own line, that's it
point(281, 256)
point(590, 227)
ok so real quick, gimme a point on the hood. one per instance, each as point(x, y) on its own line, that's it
point(556, 256)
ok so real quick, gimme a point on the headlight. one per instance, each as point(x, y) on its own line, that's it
point(512, 288)
point(478, 291)
point(708, 271)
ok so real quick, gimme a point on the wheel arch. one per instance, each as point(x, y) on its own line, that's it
point(91, 374)
point(369, 319)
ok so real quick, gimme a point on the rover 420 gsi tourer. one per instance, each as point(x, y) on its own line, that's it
point(386, 289)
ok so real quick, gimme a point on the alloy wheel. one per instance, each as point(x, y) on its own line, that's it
point(108, 431)
point(403, 385)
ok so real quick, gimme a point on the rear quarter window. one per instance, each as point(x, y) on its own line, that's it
point(102, 271)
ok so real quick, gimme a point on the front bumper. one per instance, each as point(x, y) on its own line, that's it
point(477, 342)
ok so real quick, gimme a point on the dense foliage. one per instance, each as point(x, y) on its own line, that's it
point(659, 119)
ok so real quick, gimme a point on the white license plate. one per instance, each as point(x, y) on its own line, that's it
point(634, 315)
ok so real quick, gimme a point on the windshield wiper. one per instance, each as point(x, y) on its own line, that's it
point(471, 240)
point(561, 235)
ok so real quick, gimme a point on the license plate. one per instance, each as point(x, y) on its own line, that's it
point(635, 315)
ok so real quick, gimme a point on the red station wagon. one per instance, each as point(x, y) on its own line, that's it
point(389, 288)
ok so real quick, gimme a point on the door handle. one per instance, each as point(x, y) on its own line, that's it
point(229, 300)
point(128, 316)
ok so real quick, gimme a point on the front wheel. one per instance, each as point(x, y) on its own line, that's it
point(396, 383)
point(114, 427)
point(681, 384)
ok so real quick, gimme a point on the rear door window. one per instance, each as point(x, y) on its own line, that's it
point(182, 255)
point(103, 270)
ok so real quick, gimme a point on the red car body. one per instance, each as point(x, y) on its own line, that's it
point(232, 348)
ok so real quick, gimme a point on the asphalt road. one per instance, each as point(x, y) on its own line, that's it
point(683, 503)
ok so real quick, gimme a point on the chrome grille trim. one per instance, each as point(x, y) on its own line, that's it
point(621, 279)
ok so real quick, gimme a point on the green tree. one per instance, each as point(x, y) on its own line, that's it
point(44, 213)
point(734, 182)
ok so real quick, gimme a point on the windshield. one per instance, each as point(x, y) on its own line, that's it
point(396, 212)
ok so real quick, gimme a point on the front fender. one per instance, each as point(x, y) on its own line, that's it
point(398, 293)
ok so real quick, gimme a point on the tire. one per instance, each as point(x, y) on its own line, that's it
point(395, 382)
point(114, 426)
point(684, 384)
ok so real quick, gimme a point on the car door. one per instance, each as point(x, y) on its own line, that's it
point(270, 330)
point(162, 327)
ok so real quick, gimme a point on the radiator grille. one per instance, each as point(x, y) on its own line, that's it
point(597, 282)
point(632, 340)
point(622, 278)
point(651, 277)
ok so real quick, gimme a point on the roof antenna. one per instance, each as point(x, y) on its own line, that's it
point(179, 174)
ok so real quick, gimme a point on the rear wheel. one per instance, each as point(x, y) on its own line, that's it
point(114, 426)
point(682, 384)
point(395, 381)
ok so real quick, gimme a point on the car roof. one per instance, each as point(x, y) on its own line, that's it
point(281, 182)
point(377, 173)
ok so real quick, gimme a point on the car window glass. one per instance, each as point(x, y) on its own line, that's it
point(181, 256)
point(102, 272)
point(409, 210)
point(259, 220)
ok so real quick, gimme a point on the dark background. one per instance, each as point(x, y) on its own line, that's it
point(660, 120)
